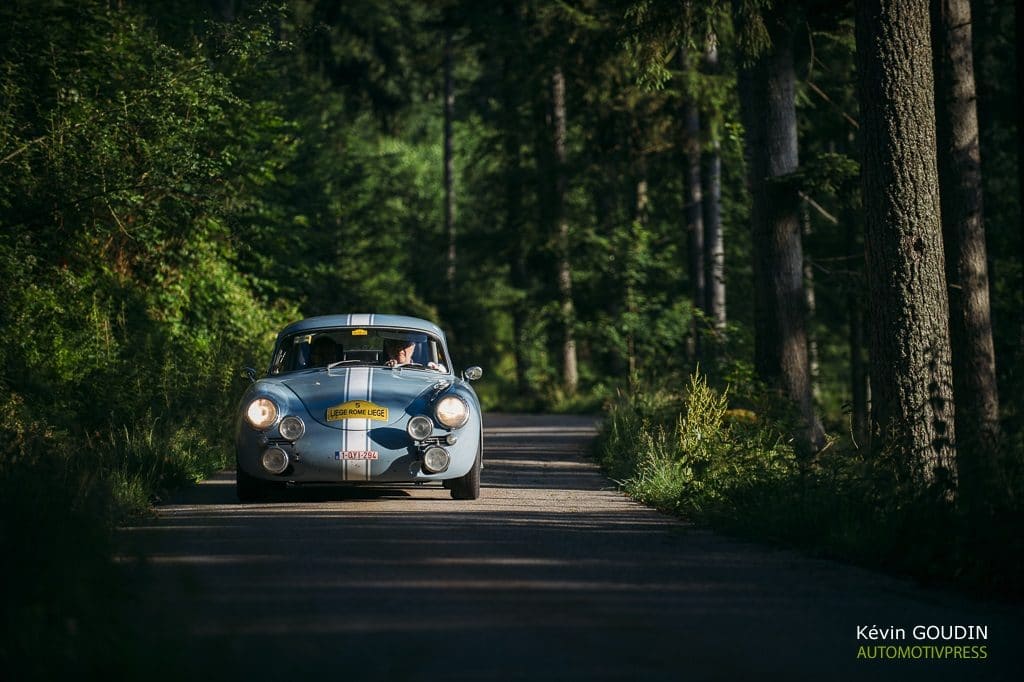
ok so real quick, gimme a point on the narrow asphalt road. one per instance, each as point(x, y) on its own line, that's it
point(552, 574)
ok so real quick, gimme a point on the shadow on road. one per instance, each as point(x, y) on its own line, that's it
point(550, 575)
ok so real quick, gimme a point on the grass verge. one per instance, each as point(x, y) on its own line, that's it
point(61, 497)
point(688, 454)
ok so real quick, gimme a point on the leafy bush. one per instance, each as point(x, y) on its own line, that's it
point(734, 469)
point(127, 169)
point(691, 455)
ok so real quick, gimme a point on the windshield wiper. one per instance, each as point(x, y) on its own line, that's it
point(339, 363)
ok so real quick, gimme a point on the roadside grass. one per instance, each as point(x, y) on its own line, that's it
point(145, 461)
point(688, 454)
point(61, 497)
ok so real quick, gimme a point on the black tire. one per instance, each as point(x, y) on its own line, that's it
point(252, 489)
point(468, 487)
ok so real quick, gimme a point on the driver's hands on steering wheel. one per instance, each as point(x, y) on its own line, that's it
point(395, 363)
point(430, 365)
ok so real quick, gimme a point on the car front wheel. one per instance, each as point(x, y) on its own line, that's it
point(468, 487)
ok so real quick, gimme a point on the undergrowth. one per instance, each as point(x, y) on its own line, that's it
point(62, 492)
point(688, 454)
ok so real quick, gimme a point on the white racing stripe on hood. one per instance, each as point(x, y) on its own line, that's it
point(358, 386)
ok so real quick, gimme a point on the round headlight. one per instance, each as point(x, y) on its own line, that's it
point(261, 413)
point(420, 427)
point(292, 428)
point(452, 411)
point(274, 460)
point(436, 460)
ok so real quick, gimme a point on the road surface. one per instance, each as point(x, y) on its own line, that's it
point(552, 574)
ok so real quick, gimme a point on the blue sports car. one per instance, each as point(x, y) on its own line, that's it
point(360, 399)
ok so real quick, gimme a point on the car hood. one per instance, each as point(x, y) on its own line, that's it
point(403, 392)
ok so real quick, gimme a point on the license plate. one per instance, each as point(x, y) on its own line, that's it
point(356, 454)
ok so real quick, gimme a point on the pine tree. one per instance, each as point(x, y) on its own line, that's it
point(714, 240)
point(767, 90)
point(570, 373)
point(911, 373)
point(959, 164)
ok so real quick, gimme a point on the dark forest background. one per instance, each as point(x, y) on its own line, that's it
point(778, 244)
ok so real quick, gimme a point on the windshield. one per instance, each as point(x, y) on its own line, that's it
point(354, 346)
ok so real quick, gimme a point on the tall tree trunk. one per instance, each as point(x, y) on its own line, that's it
point(693, 207)
point(449, 161)
point(810, 306)
point(911, 373)
point(570, 376)
point(855, 313)
point(1019, 35)
point(970, 322)
point(714, 242)
point(780, 328)
point(513, 226)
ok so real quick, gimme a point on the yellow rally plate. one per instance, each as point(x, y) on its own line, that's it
point(357, 409)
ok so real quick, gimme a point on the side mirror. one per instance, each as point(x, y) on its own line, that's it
point(248, 373)
point(472, 373)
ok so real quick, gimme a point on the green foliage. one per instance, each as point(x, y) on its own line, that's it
point(57, 509)
point(175, 187)
point(124, 163)
point(689, 454)
point(734, 469)
point(656, 31)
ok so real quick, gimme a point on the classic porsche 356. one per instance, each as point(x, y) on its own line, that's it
point(359, 399)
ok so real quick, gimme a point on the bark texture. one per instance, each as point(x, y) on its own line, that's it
point(714, 241)
point(693, 212)
point(570, 374)
point(1019, 35)
point(780, 327)
point(810, 306)
point(959, 164)
point(859, 418)
point(911, 373)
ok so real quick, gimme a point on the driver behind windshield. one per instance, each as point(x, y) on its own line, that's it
point(400, 352)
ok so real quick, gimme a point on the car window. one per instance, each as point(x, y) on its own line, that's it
point(356, 346)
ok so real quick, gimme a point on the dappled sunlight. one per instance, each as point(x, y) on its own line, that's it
point(202, 558)
point(546, 431)
point(550, 557)
point(542, 464)
point(221, 479)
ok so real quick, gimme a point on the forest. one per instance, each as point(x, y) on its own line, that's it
point(776, 244)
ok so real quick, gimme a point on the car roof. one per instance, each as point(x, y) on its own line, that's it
point(363, 320)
